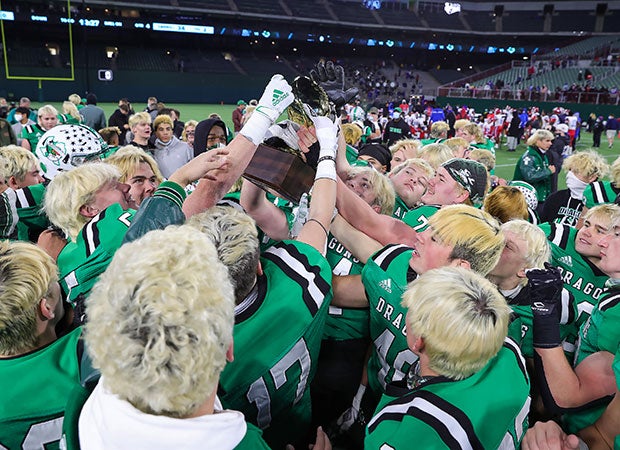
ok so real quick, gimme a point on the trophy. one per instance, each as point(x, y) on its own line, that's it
point(278, 164)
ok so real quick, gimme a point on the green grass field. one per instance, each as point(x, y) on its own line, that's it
point(505, 161)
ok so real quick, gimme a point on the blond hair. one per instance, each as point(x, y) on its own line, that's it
point(406, 143)
point(475, 235)
point(439, 129)
point(189, 123)
point(506, 203)
point(436, 154)
point(484, 157)
point(70, 190)
point(235, 237)
point(75, 99)
point(70, 108)
point(587, 163)
point(615, 173)
point(26, 276)
point(160, 322)
point(163, 118)
point(16, 162)
point(460, 123)
point(538, 250)
point(382, 188)
point(352, 133)
point(47, 110)
point(475, 131)
point(128, 159)
point(464, 327)
point(539, 135)
point(138, 118)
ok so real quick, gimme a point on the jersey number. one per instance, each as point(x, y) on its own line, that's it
point(423, 223)
point(258, 392)
point(40, 434)
point(402, 362)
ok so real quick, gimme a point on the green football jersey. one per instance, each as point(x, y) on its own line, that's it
point(487, 410)
point(344, 323)
point(400, 208)
point(32, 133)
point(68, 119)
point(582, 278)
point(521, 329)
point(32, 220)
point(81, 262)
point(278, 331)
point(34, 394)
point(385, 277)
point(599, 192)
point(600, 333)
point(418, 217)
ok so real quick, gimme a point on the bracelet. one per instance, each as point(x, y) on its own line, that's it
point(320, 224)
point(326, 158)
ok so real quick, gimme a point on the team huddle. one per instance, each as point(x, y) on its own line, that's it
point(411, 299)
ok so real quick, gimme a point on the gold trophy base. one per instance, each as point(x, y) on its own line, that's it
point(284, 173)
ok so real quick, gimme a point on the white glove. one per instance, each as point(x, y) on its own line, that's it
point(349, 417)
point(327, 135)
point(275, 99)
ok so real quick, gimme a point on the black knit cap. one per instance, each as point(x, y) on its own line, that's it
point(378, 151)
point(470, 174)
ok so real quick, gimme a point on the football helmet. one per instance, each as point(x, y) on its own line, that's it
point(65, 147)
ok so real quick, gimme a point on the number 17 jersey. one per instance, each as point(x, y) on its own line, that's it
point(277, 334)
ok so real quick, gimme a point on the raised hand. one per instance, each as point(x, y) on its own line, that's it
point(546, 296)
point(331, 78)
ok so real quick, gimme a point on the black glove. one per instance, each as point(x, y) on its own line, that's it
point(331, 79)
point(546, 301)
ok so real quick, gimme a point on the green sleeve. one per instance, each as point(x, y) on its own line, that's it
point(253, 440)
point(156, 213)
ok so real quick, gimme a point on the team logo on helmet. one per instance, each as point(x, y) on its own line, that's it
point(65, 147)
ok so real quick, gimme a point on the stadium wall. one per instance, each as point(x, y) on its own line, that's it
point(480, 105)
point(174, 87)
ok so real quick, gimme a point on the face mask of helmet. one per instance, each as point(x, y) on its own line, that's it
point(65, 147)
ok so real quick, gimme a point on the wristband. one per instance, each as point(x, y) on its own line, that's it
point(546, 329)
point(257, 125)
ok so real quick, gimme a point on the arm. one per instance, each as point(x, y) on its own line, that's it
point(600, 436)
point(591, 380)
point(242, 148)
point(534, 172)
point(349, 292)
point(359, 244)
point(268, 217)
point(560, 386)
point(380, 227)
point(165, 206)
point(316, 229)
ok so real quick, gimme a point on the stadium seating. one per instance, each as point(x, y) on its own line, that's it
point(263, 7)
point(584, 47)
point(523, 21)
point(573, 21)
point(353, 13)
point(482, 21)
point(395, 14)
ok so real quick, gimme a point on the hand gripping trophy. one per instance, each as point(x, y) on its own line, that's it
point(279, 164)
